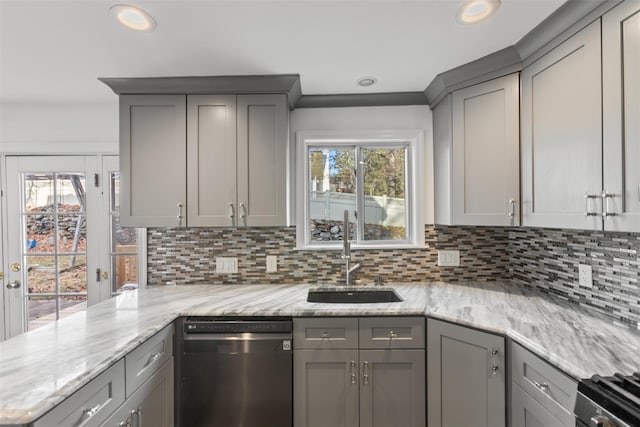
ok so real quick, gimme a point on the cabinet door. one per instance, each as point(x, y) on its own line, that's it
point(621, 113)
point(486, 153)
point(325, 387)
point(465, 377)
point(151, 405)
point(211, 156)
point(562, 135)
point(262, 160)
point(526, 411)
point(153, 160)
point(392, 388)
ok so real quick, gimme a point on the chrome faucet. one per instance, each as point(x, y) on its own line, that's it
point(346, 250)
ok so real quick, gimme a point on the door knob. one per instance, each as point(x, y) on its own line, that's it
point(14, 285)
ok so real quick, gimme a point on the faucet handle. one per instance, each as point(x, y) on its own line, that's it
point(379, 280)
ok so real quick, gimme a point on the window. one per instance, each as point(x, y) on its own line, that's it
point(372, 176)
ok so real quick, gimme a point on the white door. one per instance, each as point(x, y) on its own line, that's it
point(48, 260)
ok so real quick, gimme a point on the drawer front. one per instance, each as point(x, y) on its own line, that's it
point(325, 333)
point(553, 389)
point(90, 405)
point(142, 362)
point(392, 332)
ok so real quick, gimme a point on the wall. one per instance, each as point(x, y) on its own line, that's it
point(187, 256)
point(548, 260)
point(50, 127)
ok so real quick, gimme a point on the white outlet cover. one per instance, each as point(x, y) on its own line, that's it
point(272, 263)
point(585, 275)
point(226, 265)
point(449, 258)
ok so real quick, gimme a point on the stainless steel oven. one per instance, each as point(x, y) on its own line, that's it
point(233, 372)
point(608, 401)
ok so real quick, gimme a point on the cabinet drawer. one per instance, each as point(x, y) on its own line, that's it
point(142, 362)
point(528, 412)
point(90, 405)
point(325, 333)
point(391, 332)
point(553, 389)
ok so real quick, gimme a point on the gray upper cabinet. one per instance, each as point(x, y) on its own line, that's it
point(621, 114)
point(211, 156)
point(465, 377)
point(263, 130)
point(152, 160)
point(476, 143)
point(204, 160)
point(562, 135)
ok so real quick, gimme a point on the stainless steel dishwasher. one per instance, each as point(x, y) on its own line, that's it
point(234, 372)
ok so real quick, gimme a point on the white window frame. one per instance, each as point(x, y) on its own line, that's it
point(413, 139)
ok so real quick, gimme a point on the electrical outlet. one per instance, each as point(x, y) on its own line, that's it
point(226, 265)
point(585, 275)
point(272, 263)
point(448, 258)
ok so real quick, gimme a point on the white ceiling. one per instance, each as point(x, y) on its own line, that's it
point(52, 51)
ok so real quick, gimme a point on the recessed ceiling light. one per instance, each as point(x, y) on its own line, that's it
point(133, 17)
point(367, 81)
point(472, 11)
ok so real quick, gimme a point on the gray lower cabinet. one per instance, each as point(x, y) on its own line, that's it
point(151, 405)
point(325, 388)
point(465, 376)
point(351, 372)
point(540, 392)
point(91, 404)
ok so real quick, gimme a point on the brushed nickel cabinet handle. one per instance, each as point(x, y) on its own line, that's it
point(14, 285)
point(365, 372)
point(587, 204)
point(353, 372)
point(179, 214)
point(605, 204)
point(512, 207)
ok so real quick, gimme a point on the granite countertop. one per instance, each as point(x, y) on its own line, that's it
point(39, 369)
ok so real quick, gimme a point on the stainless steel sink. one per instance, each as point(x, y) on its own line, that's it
point(352, 295)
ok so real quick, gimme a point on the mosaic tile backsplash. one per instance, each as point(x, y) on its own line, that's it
point(544, 258)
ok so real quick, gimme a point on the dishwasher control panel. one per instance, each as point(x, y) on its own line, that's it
point(194, 326)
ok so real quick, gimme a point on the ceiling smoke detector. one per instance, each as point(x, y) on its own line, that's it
point(472, 11)
point(367, 81)
point(133, 17)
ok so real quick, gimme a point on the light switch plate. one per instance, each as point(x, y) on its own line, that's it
point(585, 275)
point(272, 263)
point(226, 265)
point(448, 258)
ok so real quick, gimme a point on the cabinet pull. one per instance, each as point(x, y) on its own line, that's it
point(243, 211)
point(587, 204)
point(137, 414)
point(353, 372)
point(90, 412)
point(494, 361)
point(392, 334)
point(152, 359)
point(512, 208)
point(605, 204)
point(325, 334)
point(179, 214)
point(365, 372)
point(232, 214)
point(543, 387)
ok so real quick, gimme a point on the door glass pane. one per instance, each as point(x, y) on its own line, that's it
point(41, 274)
point(54, 230)
point(73, 273)
point(332, 190)
point(124, 244)
point(384, 172)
